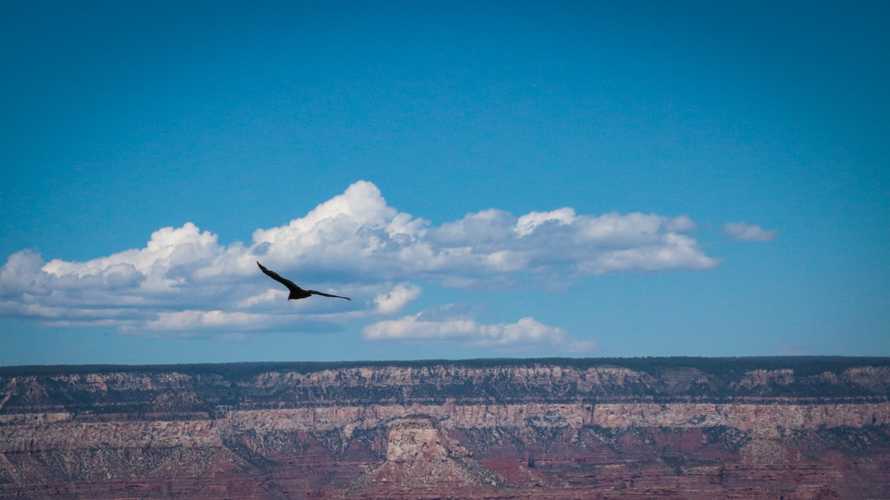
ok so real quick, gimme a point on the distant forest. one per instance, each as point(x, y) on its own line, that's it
point(802, 365)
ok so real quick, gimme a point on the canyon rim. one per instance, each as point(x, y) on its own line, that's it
point(545, 428)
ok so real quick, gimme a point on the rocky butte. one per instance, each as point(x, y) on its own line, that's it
point(495, 429)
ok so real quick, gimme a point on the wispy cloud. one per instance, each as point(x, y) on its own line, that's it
point(353, 244)
point(748, 232)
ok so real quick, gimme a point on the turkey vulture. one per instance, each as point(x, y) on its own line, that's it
point(296, 292)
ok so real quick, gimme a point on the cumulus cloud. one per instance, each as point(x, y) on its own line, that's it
point(395, 299)
point(747, 232)
point(353, 244)
point(525, 332)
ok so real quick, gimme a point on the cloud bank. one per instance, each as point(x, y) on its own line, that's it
point(355, 244)
point(525, 332)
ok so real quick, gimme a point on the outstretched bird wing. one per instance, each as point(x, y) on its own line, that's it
point(277, 277)
point(316, 292)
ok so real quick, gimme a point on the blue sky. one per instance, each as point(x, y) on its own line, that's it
point(497, 180)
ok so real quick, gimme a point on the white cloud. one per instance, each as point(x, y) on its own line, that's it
point(198, 320)
point(525, 332)
point(748, 232)
point(395, 299)
point(353, 244)
point(679, 251)
point(270, 295)
point(527, 224)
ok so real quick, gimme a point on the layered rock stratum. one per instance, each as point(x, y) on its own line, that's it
point(495, 429)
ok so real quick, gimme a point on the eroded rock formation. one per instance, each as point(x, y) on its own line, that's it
point(684, 428)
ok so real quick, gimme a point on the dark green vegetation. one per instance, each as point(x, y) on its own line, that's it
point(802, 365)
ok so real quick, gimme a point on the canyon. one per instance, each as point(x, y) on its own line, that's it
point(793, 427)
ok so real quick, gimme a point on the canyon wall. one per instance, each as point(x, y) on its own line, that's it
point(550, 428)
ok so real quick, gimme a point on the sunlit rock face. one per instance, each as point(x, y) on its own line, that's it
point(672, 428)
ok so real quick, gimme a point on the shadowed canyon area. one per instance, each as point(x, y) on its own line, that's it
point(548, 428)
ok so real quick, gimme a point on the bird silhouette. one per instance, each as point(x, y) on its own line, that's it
point(296, 293)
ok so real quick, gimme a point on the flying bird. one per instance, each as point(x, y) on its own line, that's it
point(296, 293)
